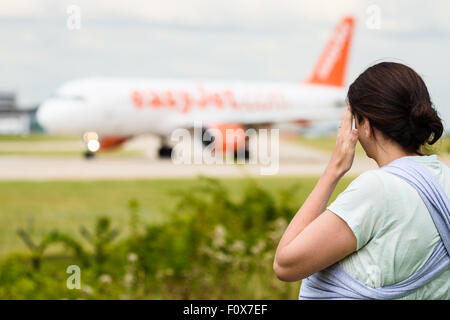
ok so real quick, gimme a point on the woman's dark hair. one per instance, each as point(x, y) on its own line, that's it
point(395, 100)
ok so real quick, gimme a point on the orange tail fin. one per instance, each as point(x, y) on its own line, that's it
point(332, 65)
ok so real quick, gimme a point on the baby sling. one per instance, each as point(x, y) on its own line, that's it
point(335, 283)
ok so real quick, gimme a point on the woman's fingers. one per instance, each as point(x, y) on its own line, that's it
point(344, 151)
point(346, 126)
point(346, 121)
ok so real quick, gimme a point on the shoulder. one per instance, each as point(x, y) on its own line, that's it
point(367, 186)
point(369, 176)
point(370, 183)
point(361, 205)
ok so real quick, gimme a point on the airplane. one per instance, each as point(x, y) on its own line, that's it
point(108, 111)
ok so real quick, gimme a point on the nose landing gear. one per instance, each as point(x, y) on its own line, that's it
point(165, 151)
point(89, 155)
point(92, 143)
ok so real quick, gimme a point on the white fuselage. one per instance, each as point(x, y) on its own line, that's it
point(126, 107)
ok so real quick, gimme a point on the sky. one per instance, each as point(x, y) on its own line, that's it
point(252, 40)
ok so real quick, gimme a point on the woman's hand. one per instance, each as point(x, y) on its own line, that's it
point(344, 151)
point(305, 246)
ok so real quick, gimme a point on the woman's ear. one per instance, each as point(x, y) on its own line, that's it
point(367, 127)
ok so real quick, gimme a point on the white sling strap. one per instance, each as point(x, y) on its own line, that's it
point(335, 283)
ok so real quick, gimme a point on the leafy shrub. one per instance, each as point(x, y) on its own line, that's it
point(213, 247)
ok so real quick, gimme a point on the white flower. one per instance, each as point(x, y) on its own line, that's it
point(219, 236)
point(87, 289)
point(280, 224)
point(128, 278)
point(132, 257)
point(238, 246)
point(222, 257)
point(258, 247)
point(105, 278)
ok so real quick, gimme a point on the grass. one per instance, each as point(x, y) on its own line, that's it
point(22, 147)
point(67, 205)
point(326, 144)
point(442, 146)
point(38, 137)
point(68, 153)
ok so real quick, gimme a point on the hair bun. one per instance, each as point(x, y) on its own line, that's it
point(396, 101)
point(421, 112)
point(425, 123)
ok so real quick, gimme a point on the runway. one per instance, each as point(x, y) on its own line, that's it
point(294, 160)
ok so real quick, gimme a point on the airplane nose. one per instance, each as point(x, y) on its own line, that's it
point(45, 115)
point(59, 115)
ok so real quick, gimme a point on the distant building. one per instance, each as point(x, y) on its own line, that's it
point(15, 121)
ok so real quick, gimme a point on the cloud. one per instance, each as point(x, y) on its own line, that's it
point(270, 40)
point(399, 15)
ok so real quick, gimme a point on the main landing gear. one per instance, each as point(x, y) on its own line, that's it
point(165, 151)
point(89, 155)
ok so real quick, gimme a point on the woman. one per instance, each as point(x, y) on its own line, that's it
point(379, 230)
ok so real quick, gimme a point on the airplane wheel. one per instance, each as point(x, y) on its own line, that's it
point(237, 155)
point(165, 152)
point(247, 154)
point(89, 155)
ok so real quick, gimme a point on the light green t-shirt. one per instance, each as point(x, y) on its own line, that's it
point(394, 229)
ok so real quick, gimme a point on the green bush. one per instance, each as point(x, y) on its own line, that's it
point(213, 247)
